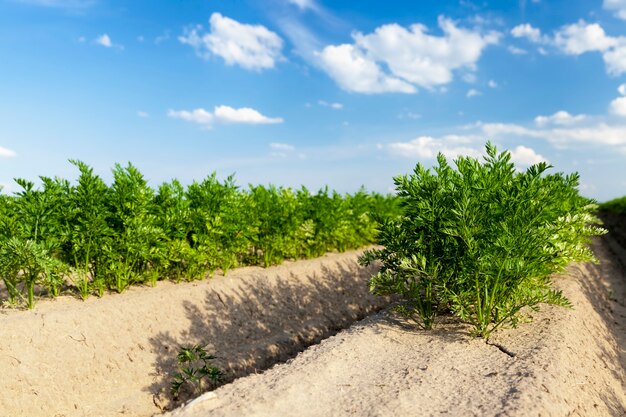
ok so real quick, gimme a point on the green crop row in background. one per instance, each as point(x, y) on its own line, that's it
point(617, 205)
point(99, 237)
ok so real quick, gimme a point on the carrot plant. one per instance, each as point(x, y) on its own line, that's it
point(129, 255)
point(481, 240)
point(102, 237)
point(195, 371)
point(88, 232)
point(220, 223)
point(275, 222)
point(28, 262)
point(32, 239)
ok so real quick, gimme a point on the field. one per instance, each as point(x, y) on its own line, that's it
point(541, 331)
point(312, 208)
point(113, 356)
point(564, 363)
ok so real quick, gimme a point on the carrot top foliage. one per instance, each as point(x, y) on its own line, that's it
point(91, 237)
point(481, 240)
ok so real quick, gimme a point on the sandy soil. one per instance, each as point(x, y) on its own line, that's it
point(565, 362)
point(114, 356)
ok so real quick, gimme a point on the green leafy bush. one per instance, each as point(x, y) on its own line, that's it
point(617, 205)
point(100, 237)
point(32, 237)
point(220, 224)
point(87, 231)
point(27, 262)
point(481, 240)
point(138, 239)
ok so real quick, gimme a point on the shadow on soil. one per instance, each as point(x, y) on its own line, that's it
point(447, 327)
point(259, 322)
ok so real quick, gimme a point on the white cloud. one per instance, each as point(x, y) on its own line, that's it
point(469, 78)
point(354, 71)
point(533, 34)
point(576, 39)
point(559, 118)
point(199, 116)
point(615, 58)
point(304, 4)
point(246, 115)
point(428, 147)
point(617, 6)
point(493, 130)
point(618, 106)
point(561, 132)
point(143, 114)
point(396, 59)
point(225, 115)
point(622, 89)
point(517, 51)
point(525, 156)
point(282, 146)
point(598, 133)
point(452, 146)
point(7, 153)
point(473, 137)
point(424, 59)
point(104, 40)
point(285, 150)
point(252, 47)
point(473, 93)
point(527, 31)
point(581, 37)
point(492, 84)
point(336, 106)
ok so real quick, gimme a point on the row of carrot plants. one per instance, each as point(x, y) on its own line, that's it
point(617, 205)
point(91, 237)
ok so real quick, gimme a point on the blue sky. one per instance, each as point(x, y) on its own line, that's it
point(311, 92)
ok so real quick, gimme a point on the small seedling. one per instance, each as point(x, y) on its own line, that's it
point(195, 371)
